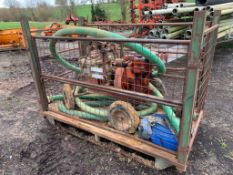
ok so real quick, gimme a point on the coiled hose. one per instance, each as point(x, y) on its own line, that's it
point(81, 114)
point(101, 114)
point(138, 48)
point(103, 101)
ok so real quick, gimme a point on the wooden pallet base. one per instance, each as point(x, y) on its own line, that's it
point(129, 155)
point(164, 158)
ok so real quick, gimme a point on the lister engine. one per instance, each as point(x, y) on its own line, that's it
point(103, 65)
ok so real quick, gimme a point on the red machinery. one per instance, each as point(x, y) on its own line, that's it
point(70, 19)
point(133, 73)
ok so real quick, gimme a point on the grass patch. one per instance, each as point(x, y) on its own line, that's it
point(113, 11)
point(14, 25)
point(226, 45)
point(222, 143)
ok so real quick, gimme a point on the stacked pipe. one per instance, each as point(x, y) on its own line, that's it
point(184, 12)
point(168, 32)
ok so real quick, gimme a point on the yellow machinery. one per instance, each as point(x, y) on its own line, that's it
point(12, 39)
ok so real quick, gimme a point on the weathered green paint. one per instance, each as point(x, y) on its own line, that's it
point(191, 85)
point(211, 45)
point(35, 64)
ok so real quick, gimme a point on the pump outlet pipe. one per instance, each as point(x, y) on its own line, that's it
point(138, 48)
point(171, 116)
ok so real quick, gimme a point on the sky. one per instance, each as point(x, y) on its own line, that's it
point(1, 3)
point(23, 3)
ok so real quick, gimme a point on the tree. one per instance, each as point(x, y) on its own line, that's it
point(31, 8)
point(92, 11)
point(123, 5)
point(43, 11)
point(63, 7)
point(61, 2)
point(14, 12)
point(67, 7)
point(12, 3)
point(97, 13)
point(31, 3)
point(72, 6)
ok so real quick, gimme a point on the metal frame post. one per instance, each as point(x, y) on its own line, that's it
point(35, 65)
point(190, 88)
point(213, 39)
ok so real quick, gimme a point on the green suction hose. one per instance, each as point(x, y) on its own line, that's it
point(53, 98)
point(88, 106)
point(96, 111)
point(80, 114)
point(173, 119)
point(99, 103)
point(96, 97)
point(102, 34)
point(104, 112)
point(152, 109)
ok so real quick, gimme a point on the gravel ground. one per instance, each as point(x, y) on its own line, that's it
point(30, 145)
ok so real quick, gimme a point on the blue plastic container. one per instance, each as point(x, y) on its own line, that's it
point(158, 132)
point(162, 136)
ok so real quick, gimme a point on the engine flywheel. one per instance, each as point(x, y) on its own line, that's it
point(123, 117)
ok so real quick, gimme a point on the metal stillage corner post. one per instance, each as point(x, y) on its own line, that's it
point(35, 64)
point(190, 87)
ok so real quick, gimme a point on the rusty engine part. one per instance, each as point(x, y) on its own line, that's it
point(103, 66)
point(133, 73)
point(51, 29)
point(69, 99)
point(123, 117)
point(97, 65)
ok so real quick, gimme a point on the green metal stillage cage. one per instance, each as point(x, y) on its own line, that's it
point(186, 80)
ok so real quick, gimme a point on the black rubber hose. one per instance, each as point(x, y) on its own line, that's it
point(212, 2)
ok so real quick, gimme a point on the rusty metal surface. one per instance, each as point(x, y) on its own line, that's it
point(133, 40)
point(206, 61)
point(191, 85)
point(142, 24)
